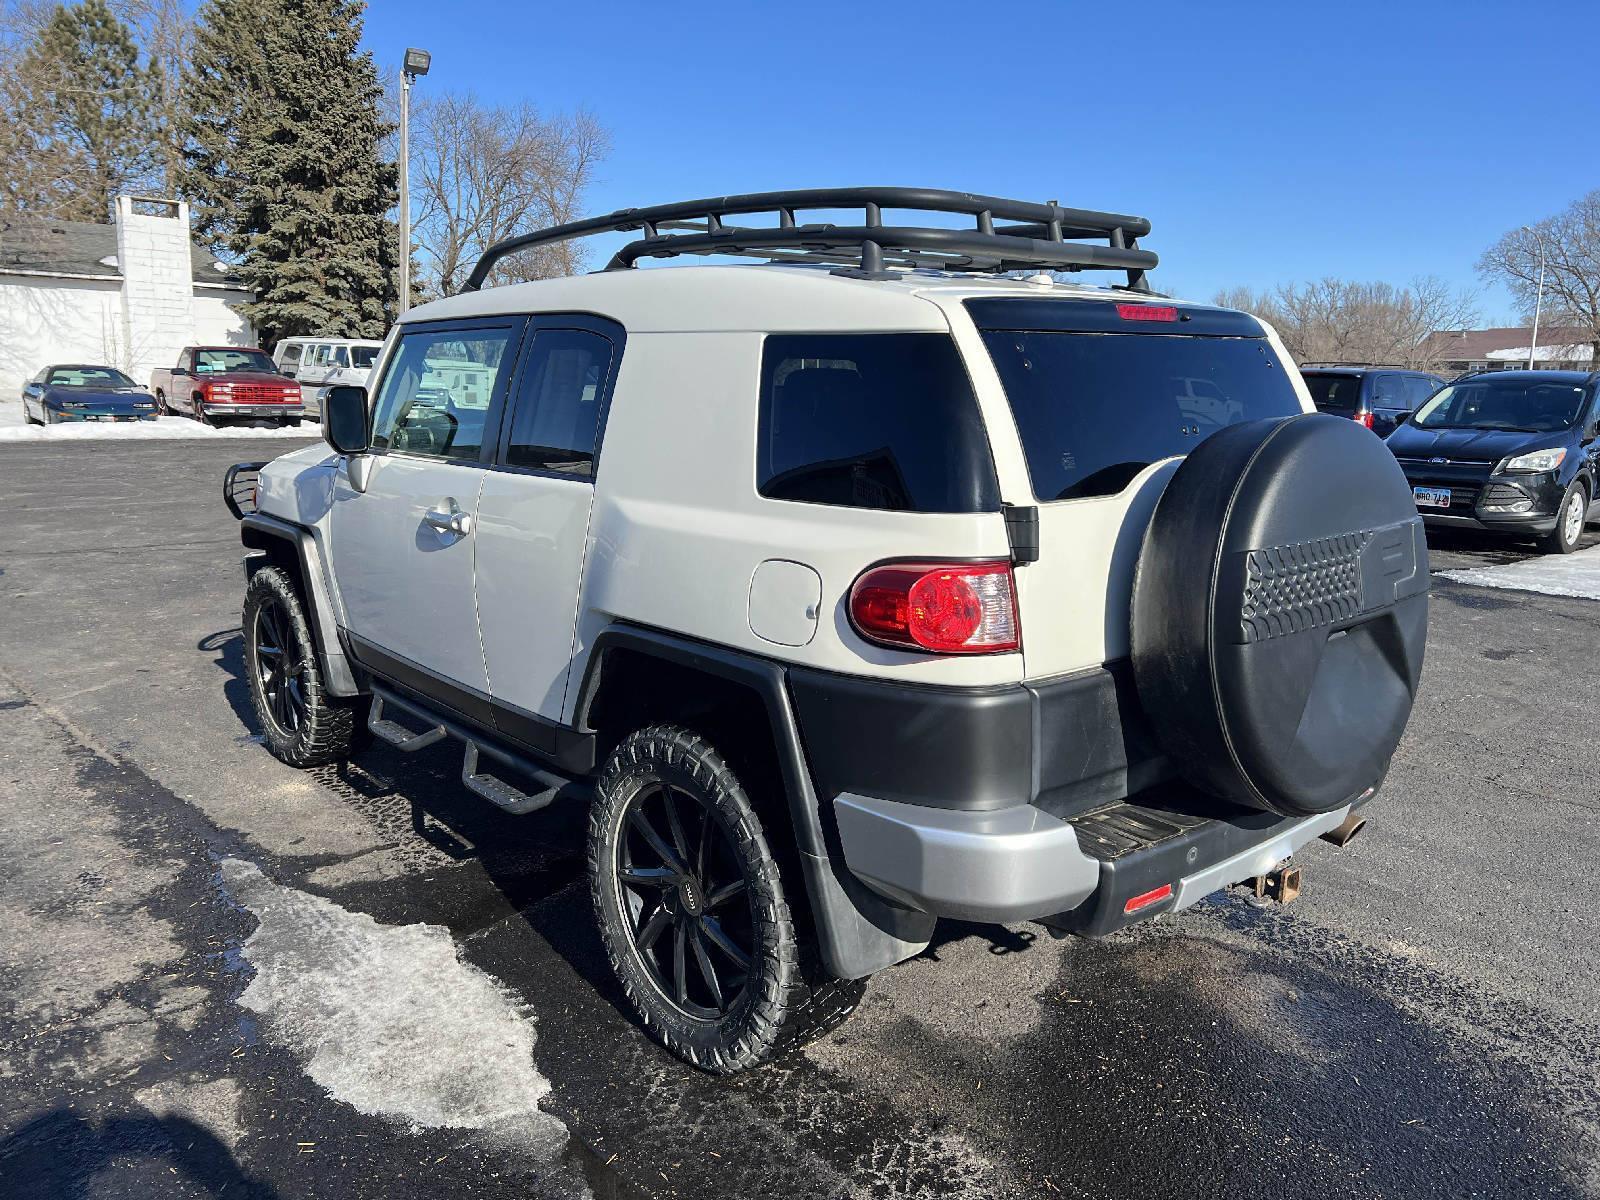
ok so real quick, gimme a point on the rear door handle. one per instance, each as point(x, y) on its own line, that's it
point(449, 520)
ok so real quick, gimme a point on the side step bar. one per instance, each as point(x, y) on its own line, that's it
point(550, 785)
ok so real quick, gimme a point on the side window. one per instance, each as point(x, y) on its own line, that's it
point(291, 357)
point(555, 418)
point(317, 356)
point(1387, 391)
point(339, 356)
point(884, 420)
point(437, 390)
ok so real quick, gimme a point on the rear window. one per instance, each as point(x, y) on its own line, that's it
point(881, 420)
point(1334, 393)
point(1095, 409)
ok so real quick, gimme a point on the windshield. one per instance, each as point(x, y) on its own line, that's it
point(102, 377)
point(364, 356)
point(1334, 393)
point(1095, 409)
point(1529, 405)
point(214, 362)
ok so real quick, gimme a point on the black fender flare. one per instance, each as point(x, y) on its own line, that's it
point(261, 532)
point(858, 931)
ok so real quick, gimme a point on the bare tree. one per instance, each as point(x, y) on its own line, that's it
point(1338, 320)
point(482, 173)
point(1571, 241)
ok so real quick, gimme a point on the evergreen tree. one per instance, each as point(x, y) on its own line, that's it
point(283, 166)
point(81, 118)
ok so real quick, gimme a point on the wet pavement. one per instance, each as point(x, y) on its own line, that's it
point(225, 977)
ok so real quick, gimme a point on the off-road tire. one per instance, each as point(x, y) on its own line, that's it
point(1558, 541)
point(789, 998)
point(331, 726)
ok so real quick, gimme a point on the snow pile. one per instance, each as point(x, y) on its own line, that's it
point(14, 429)
point(1553, 574)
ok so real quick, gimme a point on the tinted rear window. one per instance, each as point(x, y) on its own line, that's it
point(1095, 409)
point(880, 420)
point(1334, 393)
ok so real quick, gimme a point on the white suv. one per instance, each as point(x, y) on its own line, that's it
point(852, 590)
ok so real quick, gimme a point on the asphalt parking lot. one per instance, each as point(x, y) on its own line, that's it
point(225, 977)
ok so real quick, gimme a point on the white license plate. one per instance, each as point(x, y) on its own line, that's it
point(1432, 497)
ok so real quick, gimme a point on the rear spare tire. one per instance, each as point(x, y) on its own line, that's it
point(1280, 613)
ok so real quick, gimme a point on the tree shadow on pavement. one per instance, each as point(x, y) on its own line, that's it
point(63, 1155)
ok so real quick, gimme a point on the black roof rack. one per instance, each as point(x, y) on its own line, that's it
point(1030, 236)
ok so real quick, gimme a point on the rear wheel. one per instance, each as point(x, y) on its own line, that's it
point(1570, 519)
point(161, 405)
point(303, 725)
point(693, 911)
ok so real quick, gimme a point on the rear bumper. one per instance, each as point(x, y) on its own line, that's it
point(1021, 863)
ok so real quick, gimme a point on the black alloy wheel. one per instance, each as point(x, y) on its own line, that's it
point(280, 671)
point(688, 901)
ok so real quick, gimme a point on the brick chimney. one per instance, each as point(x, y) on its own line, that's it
point(157, 281)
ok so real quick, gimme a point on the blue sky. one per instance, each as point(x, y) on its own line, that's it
point(1266, 141)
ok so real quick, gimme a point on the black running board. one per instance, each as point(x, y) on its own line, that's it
point(491, 786)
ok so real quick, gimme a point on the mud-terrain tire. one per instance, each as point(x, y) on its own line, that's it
point(302, 724)
point(1280, 614)
point(1564, 538)
point(786, 998)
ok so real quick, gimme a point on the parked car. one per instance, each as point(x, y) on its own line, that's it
point(847, 599)
point(77, 392)
point(1378, 397)
point(1516, 452)
point(217, 383)
point(320, 363)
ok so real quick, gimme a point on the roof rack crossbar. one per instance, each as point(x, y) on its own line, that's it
point(1033, 236)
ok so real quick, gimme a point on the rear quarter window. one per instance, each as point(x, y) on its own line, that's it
point(882, 420)
point(1095, 409)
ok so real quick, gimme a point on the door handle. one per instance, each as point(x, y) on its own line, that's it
point(449, 520)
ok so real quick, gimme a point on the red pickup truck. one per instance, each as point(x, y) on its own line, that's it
point(217, 383)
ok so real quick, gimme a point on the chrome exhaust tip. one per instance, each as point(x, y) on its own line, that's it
point(1345, 832)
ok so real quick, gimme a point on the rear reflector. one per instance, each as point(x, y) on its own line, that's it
point(1365, 419)
point(1147, 312)
point(949, 608)
point(1146, 899)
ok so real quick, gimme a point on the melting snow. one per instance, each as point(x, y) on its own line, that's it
point(1553, 574)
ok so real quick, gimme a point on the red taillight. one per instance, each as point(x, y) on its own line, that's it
point(1147, 312)
point(1365, 418)
point(1146, 899)
point(949, 608)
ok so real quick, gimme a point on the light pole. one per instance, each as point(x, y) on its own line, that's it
point(1538, 295)
point(416, 64)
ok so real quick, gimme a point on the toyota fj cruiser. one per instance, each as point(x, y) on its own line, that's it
point(877, 583)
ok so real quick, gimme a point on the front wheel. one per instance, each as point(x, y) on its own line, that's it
point(302, 724)
point(693, 912)
point(1570, 517)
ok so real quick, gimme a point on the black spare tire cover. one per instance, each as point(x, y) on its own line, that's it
point(1280, 612)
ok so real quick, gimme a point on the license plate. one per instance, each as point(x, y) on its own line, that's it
point(1432, 497)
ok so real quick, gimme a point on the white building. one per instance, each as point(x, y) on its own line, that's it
point(130, 294)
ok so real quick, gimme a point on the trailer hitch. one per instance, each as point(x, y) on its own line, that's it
point(1278, 886)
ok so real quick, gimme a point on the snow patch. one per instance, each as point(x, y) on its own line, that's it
point(14, 429)
point(387, 1018)
point(1554, 575)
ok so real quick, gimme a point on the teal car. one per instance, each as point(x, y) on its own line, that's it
point(76, 392)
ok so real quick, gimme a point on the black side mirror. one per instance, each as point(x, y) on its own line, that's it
point(344, 419)
point(176, 371)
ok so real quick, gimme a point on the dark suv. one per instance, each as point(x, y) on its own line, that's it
point(1512, 451)
point(1378, 397)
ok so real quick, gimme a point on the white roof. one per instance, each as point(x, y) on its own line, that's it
point(1576, 352)
point(760, 298)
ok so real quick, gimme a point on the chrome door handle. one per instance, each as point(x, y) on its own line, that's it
point(451, 520)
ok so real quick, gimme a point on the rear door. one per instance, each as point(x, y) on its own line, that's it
point(1105, 405)
point(533, 518)
point(403, 549)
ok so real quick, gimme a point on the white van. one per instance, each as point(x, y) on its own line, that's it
point(319, 363)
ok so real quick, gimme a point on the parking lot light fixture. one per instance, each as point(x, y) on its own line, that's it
point(415, 65)
point(1538, 295)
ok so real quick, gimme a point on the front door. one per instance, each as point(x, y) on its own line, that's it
point(533, 518)
point(403, 549)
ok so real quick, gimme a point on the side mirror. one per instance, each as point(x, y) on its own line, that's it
point(177, 371)
point(344, 419)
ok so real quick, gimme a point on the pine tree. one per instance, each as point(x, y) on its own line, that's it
point(81, 122)
point(283, 165)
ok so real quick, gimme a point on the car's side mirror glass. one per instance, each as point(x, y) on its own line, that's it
point(179, 371)
point(344, 419)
